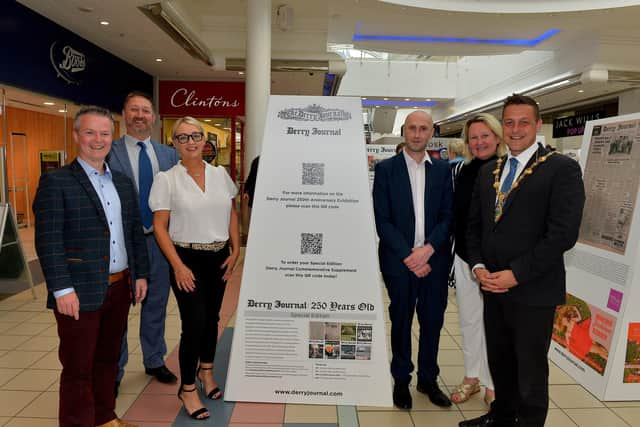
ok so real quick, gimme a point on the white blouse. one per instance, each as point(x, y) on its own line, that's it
point(196, 216)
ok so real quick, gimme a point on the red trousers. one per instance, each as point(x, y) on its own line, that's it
point(89, 352)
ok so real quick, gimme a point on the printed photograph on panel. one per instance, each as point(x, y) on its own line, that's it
point(316, 331)
point(585, 330)
point(347, 352)
point(332, 350)
point(348, 332)
point(332, 331)
point(364, 332)
point(316, 351)
point(363, 352)
point(632, 358)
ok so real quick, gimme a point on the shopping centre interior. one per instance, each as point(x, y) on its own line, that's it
point(577, 58)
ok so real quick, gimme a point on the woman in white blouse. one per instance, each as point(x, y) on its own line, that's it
point(196, 227)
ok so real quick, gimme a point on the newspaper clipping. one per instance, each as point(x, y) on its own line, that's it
point(611, 183)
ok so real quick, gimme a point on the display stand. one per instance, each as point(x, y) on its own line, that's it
point(15, 275)
point(310, 319)
point(596, 335)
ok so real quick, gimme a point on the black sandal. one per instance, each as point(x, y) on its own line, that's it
point(216, 390)
point(195, 414)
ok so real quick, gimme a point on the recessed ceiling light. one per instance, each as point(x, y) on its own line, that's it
point(159, 60)
point(386, 99)
point(377, 106)
point(105, 23)
point(241, 73)
point(207, 120)
point(62, 111)
point(364, 97)
point(49, 103)
point(227, 128)
point(415, 107)
point(407, 99)
point(428, 99)
point(580, 90)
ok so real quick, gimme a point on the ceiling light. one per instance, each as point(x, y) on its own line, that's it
point(428, 99)
point(226, 128)
point(105, 23)
point(580, 90)
point(241, 73)
point(62, 111)
point(470, 40)
point(364, 97)
point(49, 103)
point(159, 59)
point(407, 99)
point(207, 120)
point(377, 106)
point(386, 99)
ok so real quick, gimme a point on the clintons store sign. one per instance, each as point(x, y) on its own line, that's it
point(201, 99)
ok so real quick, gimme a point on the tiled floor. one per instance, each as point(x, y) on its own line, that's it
point(29, 371)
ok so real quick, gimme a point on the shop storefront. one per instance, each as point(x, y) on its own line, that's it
point(220, 106)
point(44, 61)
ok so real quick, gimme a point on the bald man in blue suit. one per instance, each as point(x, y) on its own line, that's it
point(413, 205)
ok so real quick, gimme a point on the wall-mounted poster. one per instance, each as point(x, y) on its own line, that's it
point(50, 160)
point(611, 182)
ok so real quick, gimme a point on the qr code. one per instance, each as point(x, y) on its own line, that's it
point(311, 243)
point(313, 174)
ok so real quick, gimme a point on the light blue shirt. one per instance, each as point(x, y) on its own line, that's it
point(108, 195)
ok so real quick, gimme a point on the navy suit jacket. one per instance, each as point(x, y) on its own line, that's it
point(72, 236)
point(118, 157)
point(540, 221)
point(395, 218)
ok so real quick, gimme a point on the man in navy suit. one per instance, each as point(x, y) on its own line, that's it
point(125, 157)
point(525, 213)
point(92, 252)
point(412, 199)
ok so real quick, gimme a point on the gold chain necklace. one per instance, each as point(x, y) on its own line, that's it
point(500, 196)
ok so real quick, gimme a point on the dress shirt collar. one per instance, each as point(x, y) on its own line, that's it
point(524, 157)
point(90, 170)
point(129, 140)
point(411, 162)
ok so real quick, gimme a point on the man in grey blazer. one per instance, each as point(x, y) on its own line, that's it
point(125, 156)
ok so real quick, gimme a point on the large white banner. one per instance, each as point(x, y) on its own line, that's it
point(596, 334)
point(310, 326)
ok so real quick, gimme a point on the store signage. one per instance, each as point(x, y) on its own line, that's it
point(43, 57)
point(68, 62)
point(574, 125)
point(201, 99)
point(310, 320)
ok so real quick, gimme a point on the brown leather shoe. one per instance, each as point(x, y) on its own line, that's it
point(117, 422)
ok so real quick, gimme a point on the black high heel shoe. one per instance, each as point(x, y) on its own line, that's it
point(195, 414)
point(215, 393)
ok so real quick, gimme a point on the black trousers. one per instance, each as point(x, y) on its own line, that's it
point(428, 299)
point(518, 339)
point(200, 309)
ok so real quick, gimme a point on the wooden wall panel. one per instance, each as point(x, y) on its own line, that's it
point(44, 132)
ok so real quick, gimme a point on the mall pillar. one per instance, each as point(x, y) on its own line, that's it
point(258, 76)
